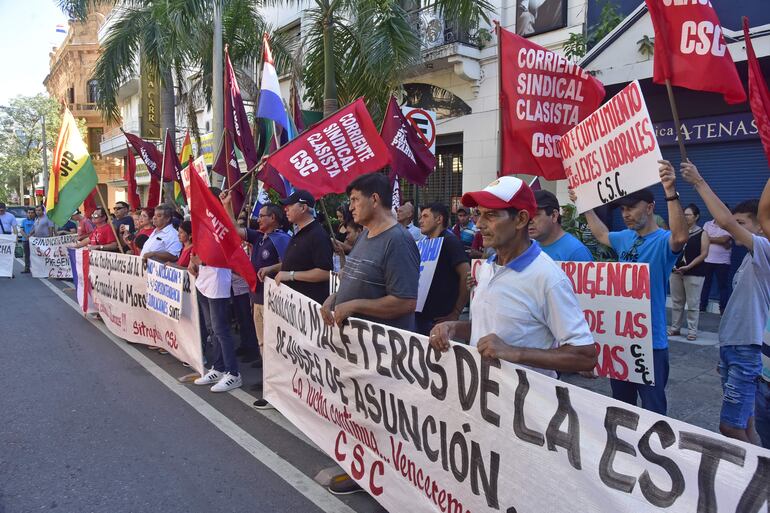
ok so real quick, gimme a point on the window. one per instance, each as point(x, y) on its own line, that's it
point(445, 184)
point(93, 91)
point(71, 95)
point(94, 140)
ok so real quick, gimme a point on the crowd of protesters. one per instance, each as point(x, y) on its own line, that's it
point(524, 309)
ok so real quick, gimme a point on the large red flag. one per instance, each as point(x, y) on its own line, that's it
point(89, 204)
point(542, 96)
point(409, 157)
point(216, 240)
point(134, 201)
point(330, 154)
point(227, 166)
point(171, 166)
point(148, 152)
point(236, 122)
point(759, 97)
point(690, 49)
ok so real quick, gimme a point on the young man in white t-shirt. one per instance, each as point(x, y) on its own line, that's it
point(524, 309)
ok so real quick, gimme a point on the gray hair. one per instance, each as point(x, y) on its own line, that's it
point(166, 210)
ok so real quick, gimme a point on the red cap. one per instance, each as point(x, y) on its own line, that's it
point(505, 192)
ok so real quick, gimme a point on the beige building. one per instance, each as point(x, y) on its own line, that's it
point(69, 82)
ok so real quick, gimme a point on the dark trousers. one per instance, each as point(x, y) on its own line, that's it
point(423, 324)
point(242, 309)
point(653, 396)
point(216, 317)
point(26, 254)
point(722, 273)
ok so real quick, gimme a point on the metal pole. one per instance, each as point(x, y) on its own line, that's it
point(217, 104)
point(45, 159)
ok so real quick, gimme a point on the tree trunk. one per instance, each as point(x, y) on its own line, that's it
point(330, 78)
point(168, 122)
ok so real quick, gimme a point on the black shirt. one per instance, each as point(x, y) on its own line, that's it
point(310, 248)
point(127, 220)
point(445, 286)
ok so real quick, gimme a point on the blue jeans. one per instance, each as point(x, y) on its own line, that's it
point(242, 309)
point(762, 412)
point(740, 367)
point(653, 396)
point(216, 317)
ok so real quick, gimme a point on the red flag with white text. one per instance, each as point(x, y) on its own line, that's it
point(171, 165)
point(148, 152)
point(216, 239)
point(332, 153)
point(542, 97)
point(759, 96)
point(227, 166)
point(409, 157)
point(690, 49)
point(236, 121)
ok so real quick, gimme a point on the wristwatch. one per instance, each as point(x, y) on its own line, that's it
point(675, 197)
point(292, 275)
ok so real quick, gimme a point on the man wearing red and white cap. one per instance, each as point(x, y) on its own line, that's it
point(524, 310)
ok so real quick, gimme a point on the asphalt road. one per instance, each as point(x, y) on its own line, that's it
point(93, 424)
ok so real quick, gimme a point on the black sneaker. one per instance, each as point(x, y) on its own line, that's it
point(343, 484)
point(262, 404)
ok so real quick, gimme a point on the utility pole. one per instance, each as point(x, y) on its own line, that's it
point(45, 159)
point(217, 106)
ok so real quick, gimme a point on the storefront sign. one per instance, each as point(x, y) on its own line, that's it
point(727, 128)
point(150, 96)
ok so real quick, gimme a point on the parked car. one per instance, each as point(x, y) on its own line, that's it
point(20, 213)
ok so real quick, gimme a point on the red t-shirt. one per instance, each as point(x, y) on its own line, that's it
point(184, 256)
point(102, 235)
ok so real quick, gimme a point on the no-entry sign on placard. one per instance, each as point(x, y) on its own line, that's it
point(425, 123)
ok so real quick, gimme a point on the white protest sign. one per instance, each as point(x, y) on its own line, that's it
point(164, 289)
point(49, 257)
point(615, 298)
point(423, 431)
point(613, 152)
point(118, 287)
point(430, 250)
point(334, 282)
point(7, 248)
point(199, 165)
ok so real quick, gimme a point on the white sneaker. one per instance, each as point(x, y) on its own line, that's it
point(210, 377)
point(228, 382)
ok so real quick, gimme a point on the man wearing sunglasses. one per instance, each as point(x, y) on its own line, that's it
point(645, 242)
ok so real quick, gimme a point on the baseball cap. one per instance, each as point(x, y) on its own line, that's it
point(505, 192)
point(546, 200)
point(299, 196)
point(635, 197)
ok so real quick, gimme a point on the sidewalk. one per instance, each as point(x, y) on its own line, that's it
point(694, 390)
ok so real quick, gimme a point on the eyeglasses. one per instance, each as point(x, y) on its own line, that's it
point(118, 208)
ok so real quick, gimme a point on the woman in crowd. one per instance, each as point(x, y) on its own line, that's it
point(103, 236)
point(352, 231)
point(688, 276)
point(185, 237)
point(345, 218)
point(144, 227)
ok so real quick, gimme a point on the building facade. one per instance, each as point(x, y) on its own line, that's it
point(69, 82)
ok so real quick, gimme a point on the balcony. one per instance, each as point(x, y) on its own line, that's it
point(445, 44)
point(114, 142)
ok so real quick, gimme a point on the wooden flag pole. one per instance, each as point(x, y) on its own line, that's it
point(112, 226)
point(677, 124)
point(248, 173)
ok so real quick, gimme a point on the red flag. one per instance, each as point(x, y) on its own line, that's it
point(542, 96)
point(759, 97)
point(148, 152)
point(216, 240)
point(171, 166)
point(330, 154)
point(227, 166)
point(690, 49)
point(134, 201)
point(236, 122)
point(89, 204)
point(409, 157)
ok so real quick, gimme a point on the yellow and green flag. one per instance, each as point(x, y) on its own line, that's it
point(73, 176)
point(184, 160)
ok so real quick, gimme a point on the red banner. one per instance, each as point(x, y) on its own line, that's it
point(759, 96)
point(332, 153)
point(690, 49)
point(134, 201)
point(542, 96)
point(148, 152)
point(171, 166)
point(216, 240)
point(227, 166)
point(409, 157)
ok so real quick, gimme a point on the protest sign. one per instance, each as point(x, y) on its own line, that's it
point(49, 258)
point(199, 165)
point(423, 431)
point(7, 248)
point(615, 298)
point(329, 155)
point(542, 96)
point(613, 152)
point(430, 250)
point(164, 289)
point(334, 282)
point(119, 292)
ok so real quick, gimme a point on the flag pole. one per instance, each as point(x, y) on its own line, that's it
point(499, 91)
point(677, 124)
point(162, 170)
point(112, 226)
point(248, 173)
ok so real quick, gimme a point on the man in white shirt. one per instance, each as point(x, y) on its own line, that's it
point(524, 309)
point(8, 223)
point(405, 216)
point(163, 244)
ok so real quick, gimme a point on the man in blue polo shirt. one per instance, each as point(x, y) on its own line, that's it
point(546, 229)
point(645, 242)
point(27, 227)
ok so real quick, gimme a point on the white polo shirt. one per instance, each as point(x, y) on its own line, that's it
point(166, 240)
point(528, 303)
